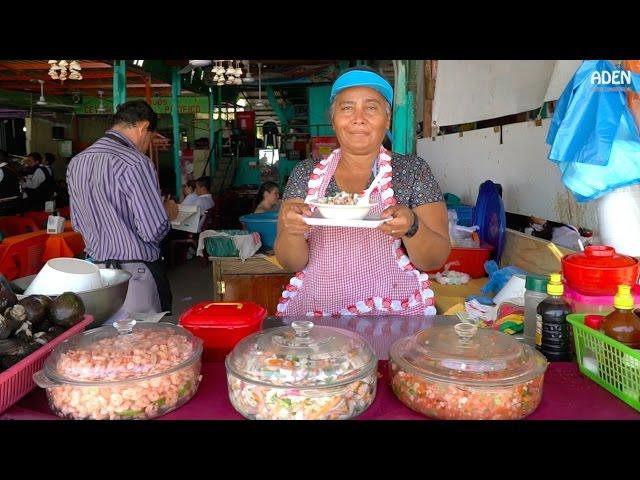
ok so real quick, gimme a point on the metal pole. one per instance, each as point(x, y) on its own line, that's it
point(212, 134)
point(175, 91)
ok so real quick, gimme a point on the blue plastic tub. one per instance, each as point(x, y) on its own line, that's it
point(265, 224)
point(465, 214)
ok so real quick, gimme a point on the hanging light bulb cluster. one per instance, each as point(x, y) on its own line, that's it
point(63, 70)
point(227, 76)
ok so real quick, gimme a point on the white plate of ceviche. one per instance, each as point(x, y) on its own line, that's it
point(372, 220)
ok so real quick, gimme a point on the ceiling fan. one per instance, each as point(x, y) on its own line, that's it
point(42, 101)
point(259, 103)
point(193, 64)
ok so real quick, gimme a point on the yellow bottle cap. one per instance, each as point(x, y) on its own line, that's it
point(555, 287)
point(623, 299)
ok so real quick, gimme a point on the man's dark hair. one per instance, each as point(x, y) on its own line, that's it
point(36, 156)
point(49, 158)
point(191, 184)
point(136, 111)
point(203, 182)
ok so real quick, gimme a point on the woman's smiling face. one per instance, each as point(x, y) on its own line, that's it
point(360, 119)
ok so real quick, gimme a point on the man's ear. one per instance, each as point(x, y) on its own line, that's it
point(142, 126)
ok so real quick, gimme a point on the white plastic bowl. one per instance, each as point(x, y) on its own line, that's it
point(343, 212)
point(66, 275)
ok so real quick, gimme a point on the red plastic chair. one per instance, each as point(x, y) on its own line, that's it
point(14, 225)
point(20, 257)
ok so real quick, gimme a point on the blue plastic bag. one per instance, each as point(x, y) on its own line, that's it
point(586, 119)
point(593, 134)
point(498, 277)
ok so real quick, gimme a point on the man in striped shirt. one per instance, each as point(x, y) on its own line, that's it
point(116, 206)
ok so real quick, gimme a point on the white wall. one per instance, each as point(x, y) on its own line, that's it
point(531, 183)
point(473, 90)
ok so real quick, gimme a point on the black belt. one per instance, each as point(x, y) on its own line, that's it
point(159, 274)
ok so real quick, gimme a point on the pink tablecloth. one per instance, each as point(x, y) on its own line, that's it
point(567, 396)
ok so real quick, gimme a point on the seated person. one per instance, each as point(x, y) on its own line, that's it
point(205, 200)
point(10, 191)
point(268, 198)
point(190, 195)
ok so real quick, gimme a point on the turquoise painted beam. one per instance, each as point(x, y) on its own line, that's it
point(212, 133)
point(119, 83)
point(411, 130)
point(284, 123)
point(175, 92)
point(400, 117)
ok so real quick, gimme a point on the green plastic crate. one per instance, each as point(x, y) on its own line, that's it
point(607, 362)
point(223, 246)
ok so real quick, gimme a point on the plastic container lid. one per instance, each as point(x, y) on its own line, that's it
point(122, 352)
point(466, 355)
point(490, 217)
point(536, 283)
point(302, 355)
point(600, 256)
point(223, 315)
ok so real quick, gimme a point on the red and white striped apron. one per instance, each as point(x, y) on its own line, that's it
point(356, 271)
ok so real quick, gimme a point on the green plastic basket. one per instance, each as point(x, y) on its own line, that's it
point(223, 246)
point(607, 362)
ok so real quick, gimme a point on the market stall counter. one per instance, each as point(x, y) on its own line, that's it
point(567, 395)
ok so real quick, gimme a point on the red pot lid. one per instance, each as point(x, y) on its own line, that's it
point(600, 256)
point(223, 315)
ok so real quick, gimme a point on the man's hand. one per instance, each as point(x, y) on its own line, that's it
point(290, 218)
point(401, 220)
point(171, 207)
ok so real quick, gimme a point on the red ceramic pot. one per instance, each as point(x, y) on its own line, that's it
point(599, 270)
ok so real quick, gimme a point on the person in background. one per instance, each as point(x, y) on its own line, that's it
point(62, 194)
point(38, 185)
point(205, 200)
point(268, 197)
point(10, 190)
point(190, 195)
point(47, 163)
point(117, 207)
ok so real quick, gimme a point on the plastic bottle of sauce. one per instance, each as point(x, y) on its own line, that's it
point(623, 324)
point(535, 292)
point(553, 332)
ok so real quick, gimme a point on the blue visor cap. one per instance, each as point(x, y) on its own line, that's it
point(362, 78)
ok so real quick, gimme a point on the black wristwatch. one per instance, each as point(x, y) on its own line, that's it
point(414, 227)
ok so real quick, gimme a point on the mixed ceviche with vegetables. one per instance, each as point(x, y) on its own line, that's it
point(312, 387)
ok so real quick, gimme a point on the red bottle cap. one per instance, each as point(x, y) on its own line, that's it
point(593, 321)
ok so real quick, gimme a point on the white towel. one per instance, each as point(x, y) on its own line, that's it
point(247, 245)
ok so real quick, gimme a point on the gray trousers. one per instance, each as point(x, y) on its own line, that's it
point(142, 296)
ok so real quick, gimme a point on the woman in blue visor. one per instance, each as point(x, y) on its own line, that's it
point(362, 271)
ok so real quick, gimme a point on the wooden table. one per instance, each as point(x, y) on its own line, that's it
point(254, 280)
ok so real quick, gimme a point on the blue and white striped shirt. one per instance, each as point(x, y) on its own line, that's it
point(115, 201)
